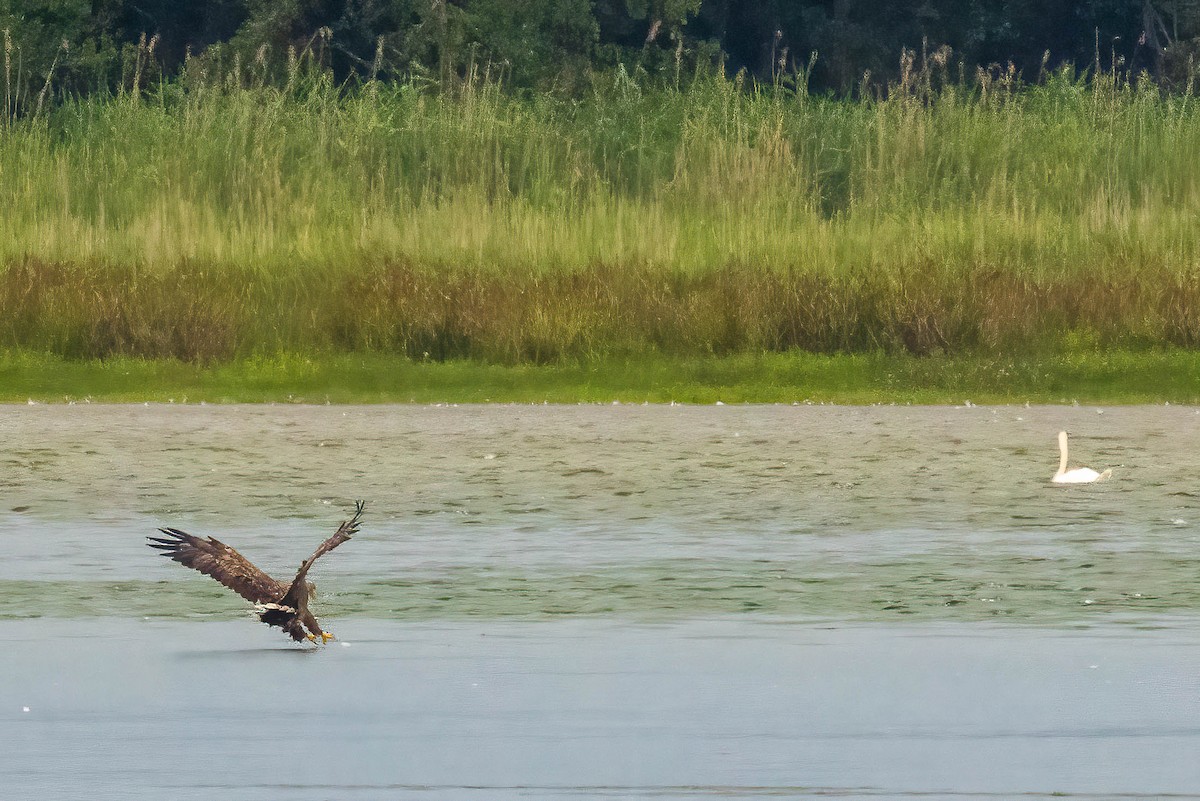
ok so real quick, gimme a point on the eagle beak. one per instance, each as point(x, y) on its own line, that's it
point(326, 637)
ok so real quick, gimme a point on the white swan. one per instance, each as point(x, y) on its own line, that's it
point(1080, 475)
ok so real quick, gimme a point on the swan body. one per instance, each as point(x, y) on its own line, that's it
point(1080, 475)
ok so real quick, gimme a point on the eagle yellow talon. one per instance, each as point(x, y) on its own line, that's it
point(311, 637)
point(326, 637)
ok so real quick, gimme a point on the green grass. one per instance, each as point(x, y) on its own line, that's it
point(217, 220)
point(1113, 378)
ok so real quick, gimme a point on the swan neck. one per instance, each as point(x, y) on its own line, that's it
point(1062, 452)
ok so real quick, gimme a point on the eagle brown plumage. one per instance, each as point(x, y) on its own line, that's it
point(277, 604)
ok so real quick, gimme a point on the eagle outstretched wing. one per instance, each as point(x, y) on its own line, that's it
point(345, 531)
point(214, 558)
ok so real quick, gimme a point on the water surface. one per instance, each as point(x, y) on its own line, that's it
point(625, 601)
point(878, 513)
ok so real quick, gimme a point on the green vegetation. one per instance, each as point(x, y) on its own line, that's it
point(217, 222)
point(1122, 377)
point(721, 230)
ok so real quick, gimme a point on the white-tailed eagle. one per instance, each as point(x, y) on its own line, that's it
point(277, 604)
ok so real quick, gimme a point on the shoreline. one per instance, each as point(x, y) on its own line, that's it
point(1108, 378)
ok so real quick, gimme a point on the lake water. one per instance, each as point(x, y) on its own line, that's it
point(605, 602)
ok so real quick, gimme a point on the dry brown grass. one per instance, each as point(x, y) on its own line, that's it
point(204, 313)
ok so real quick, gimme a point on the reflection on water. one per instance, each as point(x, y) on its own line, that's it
point(605, 602)
point(657, 512)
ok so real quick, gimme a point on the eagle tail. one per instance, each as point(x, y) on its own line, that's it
point(284, 617)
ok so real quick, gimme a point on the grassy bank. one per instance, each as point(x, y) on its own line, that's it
point(1113, 378)
point(218, 220)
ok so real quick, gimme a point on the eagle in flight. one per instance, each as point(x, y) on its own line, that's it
point(277, 604)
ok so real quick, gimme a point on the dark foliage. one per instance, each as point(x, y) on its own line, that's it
point(83, 45)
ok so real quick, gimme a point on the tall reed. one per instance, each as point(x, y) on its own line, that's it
point(220, 216)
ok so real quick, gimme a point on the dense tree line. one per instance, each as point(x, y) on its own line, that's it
point(83, 45)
